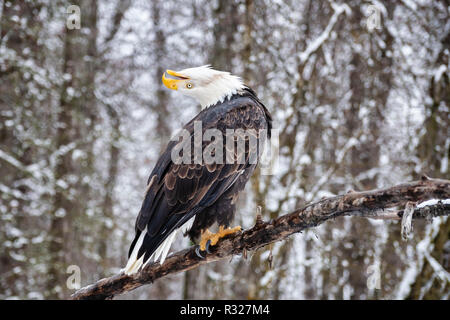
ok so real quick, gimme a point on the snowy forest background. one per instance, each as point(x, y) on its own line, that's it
point(83, 117)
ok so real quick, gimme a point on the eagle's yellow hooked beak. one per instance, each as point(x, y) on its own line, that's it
point(172, 83)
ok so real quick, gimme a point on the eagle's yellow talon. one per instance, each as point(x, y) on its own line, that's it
point(206, 235)
point(215, 237)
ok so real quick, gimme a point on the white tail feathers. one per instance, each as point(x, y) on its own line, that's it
point(134, 263)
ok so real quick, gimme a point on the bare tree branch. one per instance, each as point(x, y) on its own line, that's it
point(372, 204)
point(121, 7)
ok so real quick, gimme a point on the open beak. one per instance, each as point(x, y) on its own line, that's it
point(173, 83)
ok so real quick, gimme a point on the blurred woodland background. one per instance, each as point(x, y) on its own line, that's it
point(83, 117)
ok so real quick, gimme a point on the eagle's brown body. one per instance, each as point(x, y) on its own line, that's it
point(178, 192)
point(192, 194)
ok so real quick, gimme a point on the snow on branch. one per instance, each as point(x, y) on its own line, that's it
point(12, 160)
point(317, 43)
point(388, 203)
point(30, 169)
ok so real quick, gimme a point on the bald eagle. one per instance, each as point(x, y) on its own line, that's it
point(193, 195)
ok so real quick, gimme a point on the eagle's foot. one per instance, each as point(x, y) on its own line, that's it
point(210, 239)
point(205, 237)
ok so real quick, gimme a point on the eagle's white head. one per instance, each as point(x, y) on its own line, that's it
point(204, 84)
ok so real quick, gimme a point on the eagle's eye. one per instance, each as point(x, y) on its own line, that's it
point(189, 85)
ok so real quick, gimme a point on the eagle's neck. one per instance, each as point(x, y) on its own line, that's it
point(220, 89)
